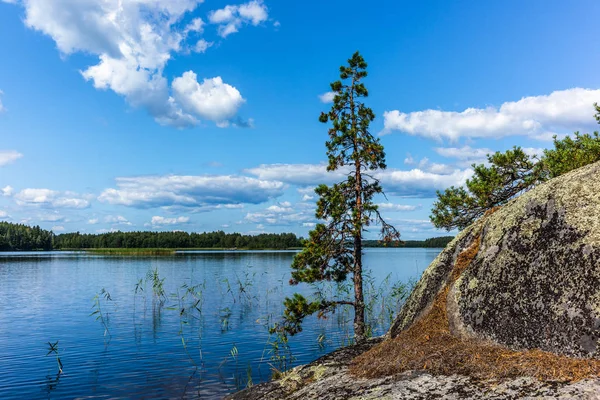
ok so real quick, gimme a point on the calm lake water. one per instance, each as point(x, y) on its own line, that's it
point(206, 337)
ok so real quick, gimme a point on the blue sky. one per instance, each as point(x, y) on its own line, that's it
point(200, 116)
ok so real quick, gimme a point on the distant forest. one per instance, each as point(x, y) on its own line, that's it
point(436, 242)
point(18, 237)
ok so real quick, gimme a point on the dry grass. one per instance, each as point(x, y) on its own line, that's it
point(430, 346)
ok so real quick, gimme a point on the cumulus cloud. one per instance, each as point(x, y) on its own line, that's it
point(202, 45)
point(327, 97)
point(538, 117)
point(196, 25)
point(463, 153)
point(4, 215)
point(93, 221)
point(419, 183)
point(397, 207)
point(111, 230)
point(297, 174)
point(280, 214)
point(58, 228)
point(190, 191)
point(231, 18)
point(416, 228)
point(117, 220)
point(133, 40)
point(161, 221)
point(467, 155)
point(411, 183)
point(9, 156)
point(308, 194)
point(212, 99)
point(53, 217)
point(50, 198)
point(7, 191)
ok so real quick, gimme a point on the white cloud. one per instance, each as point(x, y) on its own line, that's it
point(202, 45)
point(538, 117)
point(50, 198)
point(308, 194)
point(327, 97)
point(230, 206)
point(196, 25)
point(4, 215)
point(9, 156)
point(133, 40)
point(419, 183)
point(411, 183)
point(158, 220)
point(58, 228)
point(231, 18)
point(533, 151)
point(111, 230)
point(93, 221)
point(468, 155)
point(117, 219)
point(212, 99)
point(280, 214)
point(2, 108)
point(54, 217)
point(396, 207)
point(463, 153)
point(70, 202)
point(190, 191)
point(7, 191)
point(297, 174)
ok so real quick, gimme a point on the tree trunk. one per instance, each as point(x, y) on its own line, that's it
point(359, 302)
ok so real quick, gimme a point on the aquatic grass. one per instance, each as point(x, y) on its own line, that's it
point(102, 317)
point(224, 316)
point(157, 285)
point(187, 311)
point(239, 296)
point(281, 355)
point(245, 285)
point(53, 349)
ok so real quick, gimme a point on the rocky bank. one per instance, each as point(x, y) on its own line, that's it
point(534, 283)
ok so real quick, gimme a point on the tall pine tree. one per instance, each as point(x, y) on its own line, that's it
point(334, 249)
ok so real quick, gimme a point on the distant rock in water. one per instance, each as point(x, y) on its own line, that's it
point(535, 280)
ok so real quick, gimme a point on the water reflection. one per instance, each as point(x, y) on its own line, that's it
point(192, 324)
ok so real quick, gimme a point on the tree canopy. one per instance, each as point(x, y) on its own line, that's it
point(510, 173)
point(334, 248)
point(15, 237)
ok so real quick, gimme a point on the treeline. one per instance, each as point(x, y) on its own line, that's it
point(436, 242)
point(17, 237)
point(176, 240)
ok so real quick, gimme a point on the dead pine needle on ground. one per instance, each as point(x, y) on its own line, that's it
point(428, 345)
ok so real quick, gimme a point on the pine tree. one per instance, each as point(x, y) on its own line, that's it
point(334, 249)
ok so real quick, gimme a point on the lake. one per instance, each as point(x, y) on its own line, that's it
point(191, 325)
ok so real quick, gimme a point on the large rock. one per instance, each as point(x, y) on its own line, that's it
point(535, 281)
point(328, 379)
